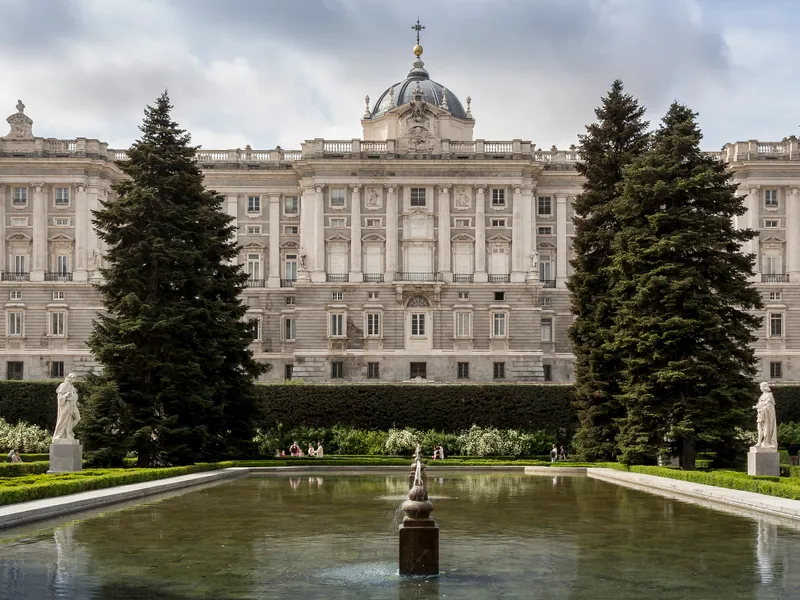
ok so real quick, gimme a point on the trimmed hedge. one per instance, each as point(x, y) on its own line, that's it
point(787, 403)
point(33, 402)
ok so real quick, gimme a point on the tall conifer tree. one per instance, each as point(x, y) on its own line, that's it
point(172, 336)
point(611, 143)
point(683, 299)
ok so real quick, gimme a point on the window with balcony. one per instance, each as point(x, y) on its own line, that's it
point(290, 205)
point(253, 204)
point(499, 324)
point(337, 370)
point(498, 197)
point(417, 196)
point(418, 325)
point(775, 370)
point(545, 269)
point(547, 330)
point(289, 329)
point(255, 328)
point(62, 264)
point(418, 369)
point(20, 263)
point(544, 230)
point(373, 370)
point(775, 325)
point(16, 320)
point(462, 370)
point(336, 325)
point(545, 205)
point(463, 324)
point(253, 230)
point(15, 370)
point(57, 369)
point(290, 267)
point(499, 370)
point(373, 324)
point(291, 229)
point(57, 324)
point(62, 196)
point(20, 197)
point(337, 197)
point(771, 198)
point(253, 267)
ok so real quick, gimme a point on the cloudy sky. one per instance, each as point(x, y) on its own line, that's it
point(277, 72)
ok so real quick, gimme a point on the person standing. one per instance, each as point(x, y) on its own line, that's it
point(554, 454)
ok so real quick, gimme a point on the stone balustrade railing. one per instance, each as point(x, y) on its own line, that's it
point(788, 149)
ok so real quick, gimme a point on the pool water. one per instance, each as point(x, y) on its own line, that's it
point(325, 536)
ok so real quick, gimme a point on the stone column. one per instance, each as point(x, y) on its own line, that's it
point(318, 275)
point(82, 227)
point(481, 275)
point(517, 233)
point(750, 221)
point(356, 274)
point(232, 208)
point(39, 248)
point(3, 199)
point(306, 231)
point(444, 234)
point(792, 232)
point(562, 255)
point(93, 243)
point(391, 233)
point(274, 278)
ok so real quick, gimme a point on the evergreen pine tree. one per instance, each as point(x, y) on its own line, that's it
point(172, 336)
point(611, 143)
point(680, 285)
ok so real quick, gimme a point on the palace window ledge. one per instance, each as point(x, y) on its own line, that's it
point(418, 276)
point(15, 276)
point(774, 278)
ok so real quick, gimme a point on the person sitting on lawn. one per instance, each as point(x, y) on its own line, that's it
point(320, 452)
point(13, 456)
point(311, 451)
point(294, 450)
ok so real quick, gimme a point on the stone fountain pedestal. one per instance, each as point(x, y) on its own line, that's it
point(764, 461)
point(419, 548)
point(65, 456)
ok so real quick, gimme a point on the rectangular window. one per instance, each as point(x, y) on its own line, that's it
point(545, 205)
point(289, 300)
point(545, 268)
point(499, 370)
point(498, 197)
point(254, 266)
point(499, 222)
point(254, 229)
point(373, 324)
point(15, 295)
point(288, 329)
point(254, 204)
point(544, 301)
point(463, 222)
point(290, 267)
point(548, 372)
point(774, 295)
point(373, 370)
point(21, 221)
point(417, 196)
point(418, 324)
point(771, 224)
point(499, 325)
point(337, 296)
point(58, 295)
point(418, 369)
point(291, 229)
point(463, 295)
point(338, 222)
point(20, 196)
point(15, 323)
point(547, 330)
point(19, 263)
point(373, 223)
point(58, 324)
point(463, 324)
point(499, 296)
point(62, 196)
point(290, 205)
point(336, 325)
point(62, 266)
point(61, 221)
point(544, 231)
point(775, 370)
point(372, 295)
point(776, 325)
point(337, 197)
point(337, 370)
point(287, 371)
point(57, 369)
point(14, 370)
point(771, 198)
point(255, 328)
point(463, 370)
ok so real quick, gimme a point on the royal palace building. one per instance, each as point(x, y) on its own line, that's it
point(414, 253)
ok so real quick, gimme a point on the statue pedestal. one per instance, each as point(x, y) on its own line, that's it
point(764, 461)
point(65, 456)
point(419, 549)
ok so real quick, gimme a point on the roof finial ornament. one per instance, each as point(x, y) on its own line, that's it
point(20, 106)
point(366, 108)
point(469, 110)
point(444, 99)
point(21, 124)
point(418, 28)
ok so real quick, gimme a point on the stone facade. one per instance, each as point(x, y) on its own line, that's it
point(414, 252)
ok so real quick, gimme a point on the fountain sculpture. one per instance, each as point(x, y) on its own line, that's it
point(419, 533)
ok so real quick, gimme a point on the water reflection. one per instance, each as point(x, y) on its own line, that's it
point(508, 536)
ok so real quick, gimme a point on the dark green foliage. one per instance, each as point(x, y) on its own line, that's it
point(102, 415)
point(32, 402)
point(172, 337)
point(787, 403)
point(611, 143)
point(681, 291)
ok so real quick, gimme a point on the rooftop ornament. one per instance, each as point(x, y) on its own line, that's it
point(21, 124)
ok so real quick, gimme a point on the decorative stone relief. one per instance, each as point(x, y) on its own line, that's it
point(373, 201)
point(417, 140)
point(463, 201)
point(21, 124)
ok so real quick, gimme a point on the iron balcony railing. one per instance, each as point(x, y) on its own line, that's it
point(499, 278)
point(256, 283)
point(15, 276)
point(463, 278)
point(407, 276)
point(337, 277)
point(57, 276)
point(287, 282)
point(373, 277)
point(775, 278)
point(548, 283)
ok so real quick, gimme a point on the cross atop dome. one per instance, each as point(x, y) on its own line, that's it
point(417, 27)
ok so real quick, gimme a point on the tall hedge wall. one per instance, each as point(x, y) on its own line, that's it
point(33, 402)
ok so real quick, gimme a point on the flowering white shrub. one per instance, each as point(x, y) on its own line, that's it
point(24, 437)
point(402, 441)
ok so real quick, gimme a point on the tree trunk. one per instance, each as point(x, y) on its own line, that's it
point(689, 454)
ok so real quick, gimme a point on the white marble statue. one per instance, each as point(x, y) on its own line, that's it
point(767, 426)
point(534, 261)
point(303, 259)
point(68, 415)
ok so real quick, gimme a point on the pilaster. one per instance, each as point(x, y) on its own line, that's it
point(444, 233)
point(391, 233)
point(562, 255)
point(93, 241)
point(518, 275)
point(793, 234)
point(318, 263)
point(39, 247)
point(356, 273)
point(274, 277)
point(3, 199)
point(481, 275)
point(232, 208)
point(306, 233)
point(750, 221)
point(82, 226)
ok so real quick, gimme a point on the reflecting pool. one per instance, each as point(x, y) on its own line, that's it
point(326, 536)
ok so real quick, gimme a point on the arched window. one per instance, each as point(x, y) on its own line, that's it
point(418, 302)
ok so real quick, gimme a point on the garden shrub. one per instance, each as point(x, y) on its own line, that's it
point(23, 437)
